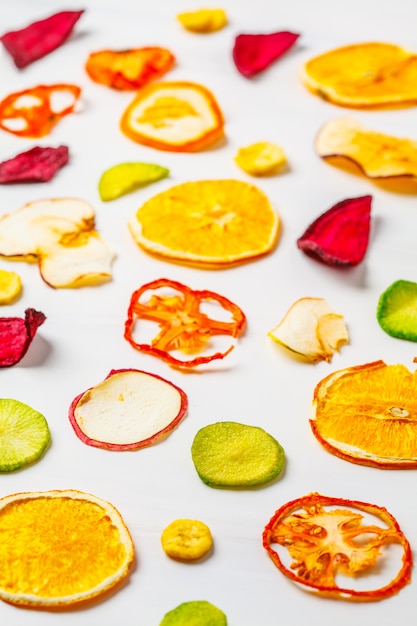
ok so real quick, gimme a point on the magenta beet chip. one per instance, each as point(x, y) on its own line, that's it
point(16, 335)
point(35, 165)
point(40, 38)
point(254, 53)
point(340, 236)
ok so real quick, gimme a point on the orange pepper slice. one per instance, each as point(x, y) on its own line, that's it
point(32, 113)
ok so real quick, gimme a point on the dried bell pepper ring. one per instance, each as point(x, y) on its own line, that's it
point(38, 164)
point(253, 54)
point(33, 109)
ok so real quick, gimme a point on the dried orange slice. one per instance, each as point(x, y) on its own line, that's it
point(367, 414)
point(210, 223)
point(60, 547)
point(174, 116)
point(372, 74)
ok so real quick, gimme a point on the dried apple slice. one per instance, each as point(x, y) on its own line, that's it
point(311, 329)
point(59, 235)
point(397, 310)
point(16, 335)
point(129, 410)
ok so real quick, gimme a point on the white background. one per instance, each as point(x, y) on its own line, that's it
point(259, 383)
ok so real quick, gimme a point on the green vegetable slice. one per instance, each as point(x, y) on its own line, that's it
point(24, 435)
point(195, 613)
point(127, 177)
point(397, 310)
point(229, 454)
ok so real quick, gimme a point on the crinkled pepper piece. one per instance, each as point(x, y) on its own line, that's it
point(38, 164)
point(16, 335)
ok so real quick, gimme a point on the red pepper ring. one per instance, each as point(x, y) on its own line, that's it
point(323, 543)
point(183, 325)
point(40, 116)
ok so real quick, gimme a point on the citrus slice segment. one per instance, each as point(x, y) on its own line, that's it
point(261, 159)
point(129, 410)
point(127, 177)
point(397, 310)
point(195, 613)
point(329, 539)
point(186, 539)
point(175, 116)
point(210, 223)
point(371, 74)
point(24, 437)
point(229, 454)
point(60, 548)
point(367, 414)
point(10, 287)
point(203, 20)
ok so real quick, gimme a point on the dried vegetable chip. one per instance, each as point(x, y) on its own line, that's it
point(59, 234)
point(195, 613)
point(397, 310)
point(129, 410)
point(127, 177)
point(209, 223)
point(253, 54)
point(261, 159)
point(367, 414)
point(129, 69)
point(176, 116)
point(10, 287)
point(39, 164)
point(340, 236)
point(311, 329)
point(184, 325)
point(34, 112)
point(329, 537)
point(203, 20)
point(60, 548)
point(24, 437)
point(39, 38)
point(186, 540)
point(371, 74)
point(378, 156)
point(16, 335)
point(233, 455)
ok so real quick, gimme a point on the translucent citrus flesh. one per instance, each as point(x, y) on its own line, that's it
point(10, 287)
point(186, 539)
point(397, 310)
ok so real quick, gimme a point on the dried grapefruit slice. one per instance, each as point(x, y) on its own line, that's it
point(186, 539)
point(397, 310)
point(210, 223)
point(195, 613)
point(59, 548)
point(372, 74)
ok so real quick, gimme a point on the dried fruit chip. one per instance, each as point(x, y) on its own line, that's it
point(39, 164)
point(373, 74)
point(129, 410)
point(261, 159)
point(328, 538)
point(340, 236)
point(59, 234)
point(195, 613)
point(174, 116)
point(397, 310)
point(39, 38)
point(16, 335)
point(367, 414)
point(184, 326)
point(129, 69)
point(229, 454)
point(10, 287)
point(25, 435)
point(33, 112)
point(253, 54)
point(127, 177)
point(311, 329)
point(209, 223)
point(203, 20)
point(60, 548)
point(381, 157)
point(186, 540)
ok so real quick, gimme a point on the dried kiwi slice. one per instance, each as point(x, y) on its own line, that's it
point(24, 435)
point(195, 613)
point(397, 310)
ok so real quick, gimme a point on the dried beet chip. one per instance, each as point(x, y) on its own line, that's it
point(340, 236)
point(40, 38)
point(254, 53)
point(16, 335)
point(35, 165)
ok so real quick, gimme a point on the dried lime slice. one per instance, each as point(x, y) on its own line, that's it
point(397, 310)
point(127, 177)
point(24, 435)
point(229, 454)
point(195, 613)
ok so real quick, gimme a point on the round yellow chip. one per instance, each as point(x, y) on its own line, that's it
point(186, 539)
point(10, 287)
point(203, 20)
point(261, 159)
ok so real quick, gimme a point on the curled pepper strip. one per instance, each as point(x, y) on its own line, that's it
point(183, 325)
point(35, 109)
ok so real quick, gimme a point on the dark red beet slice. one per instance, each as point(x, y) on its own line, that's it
point(36, 165)
point(254, 53)
point(340, 236)
point(39, 38)
point(16, 335)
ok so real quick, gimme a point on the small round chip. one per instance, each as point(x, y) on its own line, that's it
point(195, 613)
point(186, 540)
point(261, 159)
point(10, 287)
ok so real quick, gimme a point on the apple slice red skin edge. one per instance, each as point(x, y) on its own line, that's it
point(117, 447)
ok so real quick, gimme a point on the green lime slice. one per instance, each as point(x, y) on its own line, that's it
point(127, 177)
point(397, 310)
point(195, 613)
point(229, 454)
point(24, 435)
